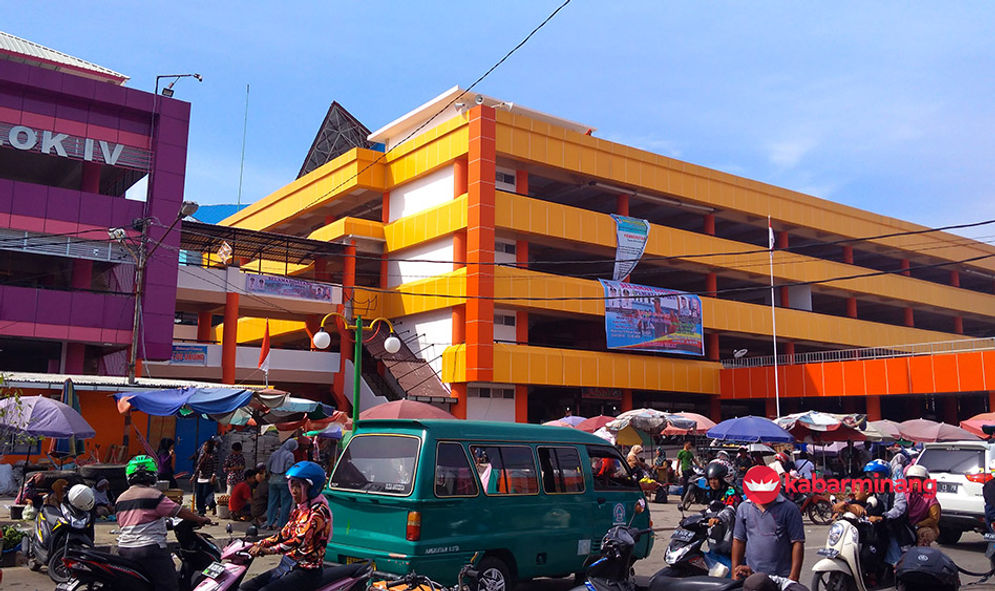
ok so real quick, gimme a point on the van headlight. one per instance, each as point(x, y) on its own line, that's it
point(835, 533)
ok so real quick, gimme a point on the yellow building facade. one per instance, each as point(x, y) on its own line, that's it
point(483, 229)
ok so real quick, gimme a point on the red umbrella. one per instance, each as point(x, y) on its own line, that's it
point(975, 423)
point(702, 424)
point(594, 423)
point(928, 431)
point(405, 409)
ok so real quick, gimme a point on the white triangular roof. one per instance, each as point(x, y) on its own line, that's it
point(16, 49)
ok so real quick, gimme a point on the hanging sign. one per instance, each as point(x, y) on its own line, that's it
point(631, 235)
point(643, 318)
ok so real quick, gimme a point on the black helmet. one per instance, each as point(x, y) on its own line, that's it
point(716, 470)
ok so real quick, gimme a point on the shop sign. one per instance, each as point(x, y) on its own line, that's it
point(189, 355)
point(645, 318)
point(290, 288)
point(27, 139)
point(601, 393)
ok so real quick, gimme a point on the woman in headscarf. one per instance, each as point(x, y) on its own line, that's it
point(923, 508)
point(278, 506)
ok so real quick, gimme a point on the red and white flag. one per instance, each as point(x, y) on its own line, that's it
point(264, 352)
point(770, 233)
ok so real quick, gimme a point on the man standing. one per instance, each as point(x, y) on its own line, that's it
point(685, 459)
point(771, 538)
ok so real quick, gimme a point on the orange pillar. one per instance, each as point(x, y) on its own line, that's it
point(873, 408)
point(709, 224)
point(955, 278)
point(713, 346)
point(204, 318)
point(622, 204)
point(480, 246)
point(459, 176)
point(910, 319)
point(906, 268)
point(770, 408)
point(342, 399)
point(848, 255)
point(521, 403)
point(229, 339)
point(958, 324)
point(711, 285)
point(851, 307)
point(715, 409)
point(789, 351)
point(626, 399)
point(458, 390)
point(458, 394)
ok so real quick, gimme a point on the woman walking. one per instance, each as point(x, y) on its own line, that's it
point(278, 507)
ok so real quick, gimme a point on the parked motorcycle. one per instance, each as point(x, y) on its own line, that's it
point(817, 506)
point(851, 558)
point(612, 571)
point(58, 530)
point(92, 570)
point(697, 489)
point(685, 555)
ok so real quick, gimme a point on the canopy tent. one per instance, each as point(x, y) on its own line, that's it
point(819, 427)
point(649, 420)
point(292, 409)
point(701, 424)
point(163, 403)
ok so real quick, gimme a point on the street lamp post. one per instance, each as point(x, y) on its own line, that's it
point(322, 339)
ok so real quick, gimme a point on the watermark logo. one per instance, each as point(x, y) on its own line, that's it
point(761, 484)
point(806, 486)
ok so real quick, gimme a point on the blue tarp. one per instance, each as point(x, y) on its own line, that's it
point(162, 403)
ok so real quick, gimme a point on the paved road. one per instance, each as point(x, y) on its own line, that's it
point(969, 554)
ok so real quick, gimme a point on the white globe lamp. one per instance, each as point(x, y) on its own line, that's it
point(392, 344)
point(321, 339)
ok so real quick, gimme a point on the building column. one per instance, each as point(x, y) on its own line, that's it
point(521, 403)
point(82, 274)
point(385, 219)
point(873, 408)
point(75, 356)
point(711, 285)
point(789, 351)
point(622, 204)
point(91, 178)
point(521, 317)
point(229, 339)
point(481, 172)
point(949, 409)
point(959, 324)
point(712, 346)
point(626, 399)
point(709, 224)
point(204, 320)
point(851, 307)
point(459, 176)
point(955, 278)
point(848, 254)
point(715, 409)
point(770, 408)
point(346, 337)
point(910, 319)
point(906, 268)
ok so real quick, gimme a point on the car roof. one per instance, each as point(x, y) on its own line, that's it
point(481, 430)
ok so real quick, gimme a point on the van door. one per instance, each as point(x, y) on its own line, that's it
point(566, 523)
point(615, 494)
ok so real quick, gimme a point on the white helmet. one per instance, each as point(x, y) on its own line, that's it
point(917, 471)
point(81, 497)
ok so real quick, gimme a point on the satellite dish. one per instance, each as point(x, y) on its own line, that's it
point(737, 353)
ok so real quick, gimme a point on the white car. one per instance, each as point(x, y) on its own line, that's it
point(960, 469)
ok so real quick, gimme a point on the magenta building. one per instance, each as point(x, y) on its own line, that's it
point(77, 150)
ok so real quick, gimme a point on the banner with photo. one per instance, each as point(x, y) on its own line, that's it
point(631, 235)
point(287, 287)
point(643, 318)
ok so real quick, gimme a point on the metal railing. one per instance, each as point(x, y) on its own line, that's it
point(960, 346)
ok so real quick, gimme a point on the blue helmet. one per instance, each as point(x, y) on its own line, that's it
point(311, 473)
point(880, 468)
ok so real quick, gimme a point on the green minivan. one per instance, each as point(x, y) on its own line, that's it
point(426, 495)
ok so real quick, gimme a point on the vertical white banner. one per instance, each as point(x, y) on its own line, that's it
point(631, 236)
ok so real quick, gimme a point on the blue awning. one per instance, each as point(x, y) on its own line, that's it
point(163, 403)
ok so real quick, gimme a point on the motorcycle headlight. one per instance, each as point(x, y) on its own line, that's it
point(854, 535)
point(835, 533)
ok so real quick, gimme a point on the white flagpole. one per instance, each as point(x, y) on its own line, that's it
point(773, 318)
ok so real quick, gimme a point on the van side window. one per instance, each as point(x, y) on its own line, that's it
point(561, 472)
point(506, 469)
point(453, 474)
point(610, 471)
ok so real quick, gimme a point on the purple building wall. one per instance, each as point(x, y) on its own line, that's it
point(63, 103)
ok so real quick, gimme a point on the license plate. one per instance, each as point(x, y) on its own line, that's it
point(682, 535)
point(214, 570)
point(829, 552)
point(947, 487)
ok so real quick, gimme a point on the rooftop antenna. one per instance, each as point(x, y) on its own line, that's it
point(245, 126)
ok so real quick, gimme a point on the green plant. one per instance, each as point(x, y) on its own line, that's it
point(12, 537)
point(11, 438)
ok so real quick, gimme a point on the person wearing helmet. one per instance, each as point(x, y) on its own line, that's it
point(887, 512)
point(302, 540)
point(141, 516)
point(924, 509)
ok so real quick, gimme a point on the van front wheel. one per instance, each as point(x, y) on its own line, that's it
point(494, 575)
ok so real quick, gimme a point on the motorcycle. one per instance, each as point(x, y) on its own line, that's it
point(685, 556)
point(612, 571)
point(697, 489)
point(850, 559)
point(91, 570)
point(57, 531)
point(818, 507)
point(235, 562)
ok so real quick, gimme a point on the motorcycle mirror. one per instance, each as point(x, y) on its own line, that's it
point(228, 529)
point(251, 531)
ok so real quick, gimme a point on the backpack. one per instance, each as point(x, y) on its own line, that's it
point(922, 568)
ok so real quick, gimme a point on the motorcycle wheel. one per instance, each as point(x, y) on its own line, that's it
point(833, 581)
point(687, 499)
point(57, 570)
point(821, 512)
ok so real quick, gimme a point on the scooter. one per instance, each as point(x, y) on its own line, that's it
point(90, 569)
point(612, 571)
point(849, 562)
point(58, 530)
point(685, 556)
point(236, 560)
point(697, 490)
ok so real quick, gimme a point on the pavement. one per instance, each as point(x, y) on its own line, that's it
point(968, 553)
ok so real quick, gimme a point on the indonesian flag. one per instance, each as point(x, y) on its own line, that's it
point(264, 352)
point(770, 233)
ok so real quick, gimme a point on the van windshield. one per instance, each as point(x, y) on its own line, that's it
point(377, 464)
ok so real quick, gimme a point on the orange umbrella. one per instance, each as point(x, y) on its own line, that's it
point(975, 423)
point(702, 424)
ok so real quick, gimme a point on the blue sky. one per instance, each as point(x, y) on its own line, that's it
point(885, 105)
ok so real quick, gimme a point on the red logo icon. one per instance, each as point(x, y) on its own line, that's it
point(761, 484)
